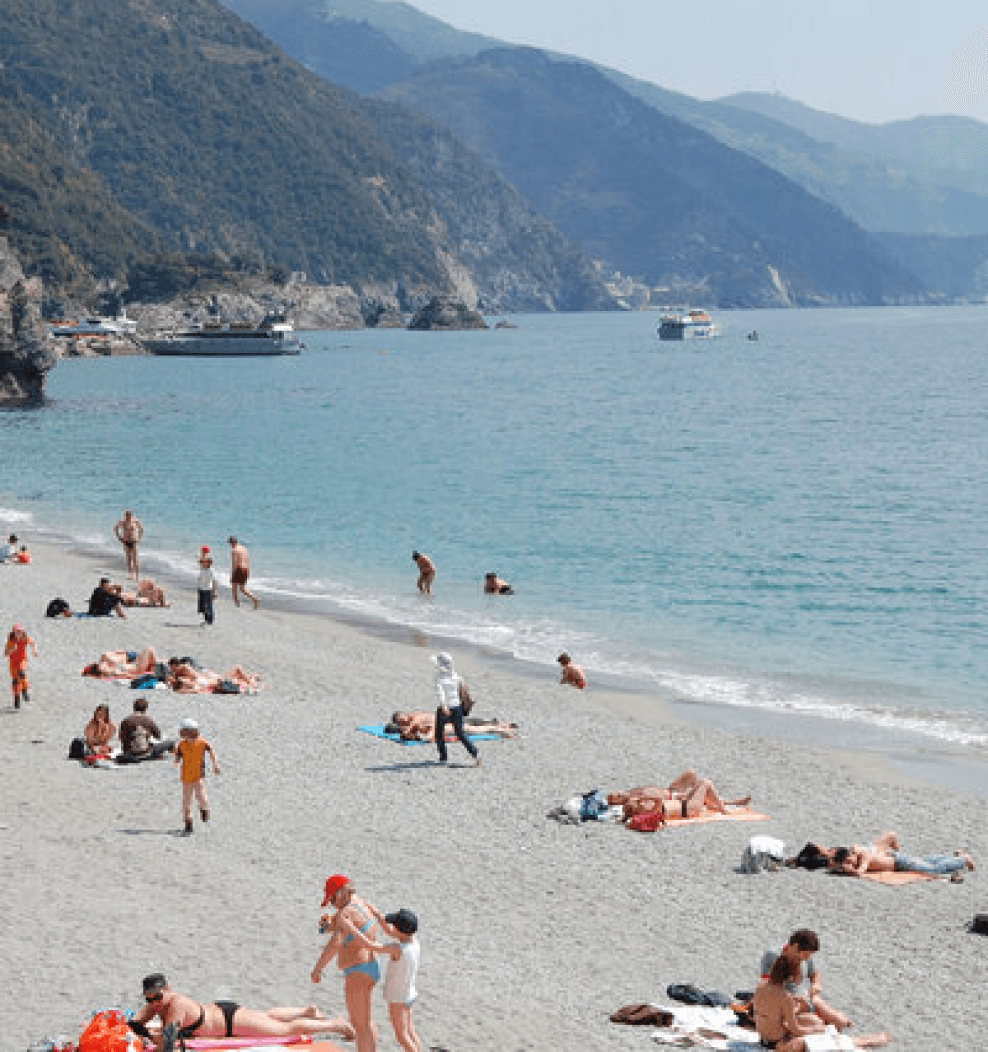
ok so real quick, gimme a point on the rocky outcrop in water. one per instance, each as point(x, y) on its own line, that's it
point(441, 312)
point(27, 352)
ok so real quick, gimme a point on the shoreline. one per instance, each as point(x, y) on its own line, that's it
point(101, 890)
point(912, 758)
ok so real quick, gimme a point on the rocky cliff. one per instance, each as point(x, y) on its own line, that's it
point(27, 353)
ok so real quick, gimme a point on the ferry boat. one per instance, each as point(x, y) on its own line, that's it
point(274, 335)
point(687, 325)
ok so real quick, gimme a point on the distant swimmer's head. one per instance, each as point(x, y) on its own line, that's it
point(232, 541)
point(564, 658)
point(443, 660)
point(416, 556)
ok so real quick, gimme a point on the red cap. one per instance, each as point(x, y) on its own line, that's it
point(333, 885)
point(205, 549)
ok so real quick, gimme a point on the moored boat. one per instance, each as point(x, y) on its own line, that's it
point(96, 325)
point(274, 335)
point(687, 325)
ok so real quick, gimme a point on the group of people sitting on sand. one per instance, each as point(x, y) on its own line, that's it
point(139, 736)
point(108, 598)
point(786, 1015)
point(184, 675)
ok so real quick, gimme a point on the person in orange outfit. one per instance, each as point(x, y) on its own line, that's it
point(190, 754)
point(16, 650)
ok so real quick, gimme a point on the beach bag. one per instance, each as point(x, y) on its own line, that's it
point(979, 926)
point(56, 608)
point(108, 1032)
point(689, 994)
point(466, 700)
point(643, 1015)
point(592, 806)
point(648, 822)
point(78, 749)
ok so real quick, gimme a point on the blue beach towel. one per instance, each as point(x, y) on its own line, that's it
point(377, 729)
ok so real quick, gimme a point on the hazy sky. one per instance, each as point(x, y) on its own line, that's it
point(874, 60)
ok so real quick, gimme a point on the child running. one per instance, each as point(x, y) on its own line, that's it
point(191, 754)
point(399, 978)
point(16, 650)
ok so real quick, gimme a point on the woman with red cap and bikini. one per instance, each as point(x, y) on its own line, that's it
point(352, 942)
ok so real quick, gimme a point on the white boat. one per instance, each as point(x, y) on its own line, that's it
point(274, 335)
point(96, 325)
point(687, 325)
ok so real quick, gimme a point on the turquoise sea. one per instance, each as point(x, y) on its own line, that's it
point(787, 534)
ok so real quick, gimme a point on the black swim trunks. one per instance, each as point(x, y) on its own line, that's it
point(229, 1010)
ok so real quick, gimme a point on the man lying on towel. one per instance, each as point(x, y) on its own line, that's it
point(688, 796)
point(419, 725)
point(885, 856)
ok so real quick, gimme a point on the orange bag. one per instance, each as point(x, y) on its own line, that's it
point(108, 1032)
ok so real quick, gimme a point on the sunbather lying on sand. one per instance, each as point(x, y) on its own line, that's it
point(419, 725)
point(147, 594)
point(182, 1018)
point(781, 1026)
point(885, 856)
point(687, 796)
point(185, 678)
point(123, 664)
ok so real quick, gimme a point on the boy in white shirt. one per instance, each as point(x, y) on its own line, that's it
point(206, 586)
point(399, 978)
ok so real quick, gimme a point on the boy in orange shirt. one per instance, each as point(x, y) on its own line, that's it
point(191, 752)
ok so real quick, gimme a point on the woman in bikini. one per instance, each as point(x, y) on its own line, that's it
point(353, 928)
point(182, 1018)
point(100, 731)
point(687, 796)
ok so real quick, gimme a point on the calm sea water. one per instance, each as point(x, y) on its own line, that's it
point(793, 525)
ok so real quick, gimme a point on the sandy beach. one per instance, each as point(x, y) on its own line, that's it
point(532, 932)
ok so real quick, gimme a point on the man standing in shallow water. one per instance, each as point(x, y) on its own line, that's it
point(240, 571)
point(129, 531)
point(427, 572)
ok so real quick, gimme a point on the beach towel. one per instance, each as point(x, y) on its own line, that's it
point(900, 877)
point(739, 814)
point(377, 729)
point(253, 1042)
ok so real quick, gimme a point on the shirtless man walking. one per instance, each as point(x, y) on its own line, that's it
point(240, 571)
point(129, 531)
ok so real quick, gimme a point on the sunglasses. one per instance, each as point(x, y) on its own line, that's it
point(153, 998)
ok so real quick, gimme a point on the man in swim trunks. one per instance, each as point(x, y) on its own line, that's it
point(240, 571)
point(129, 531)
point(181, 1017)
point(427, 572)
